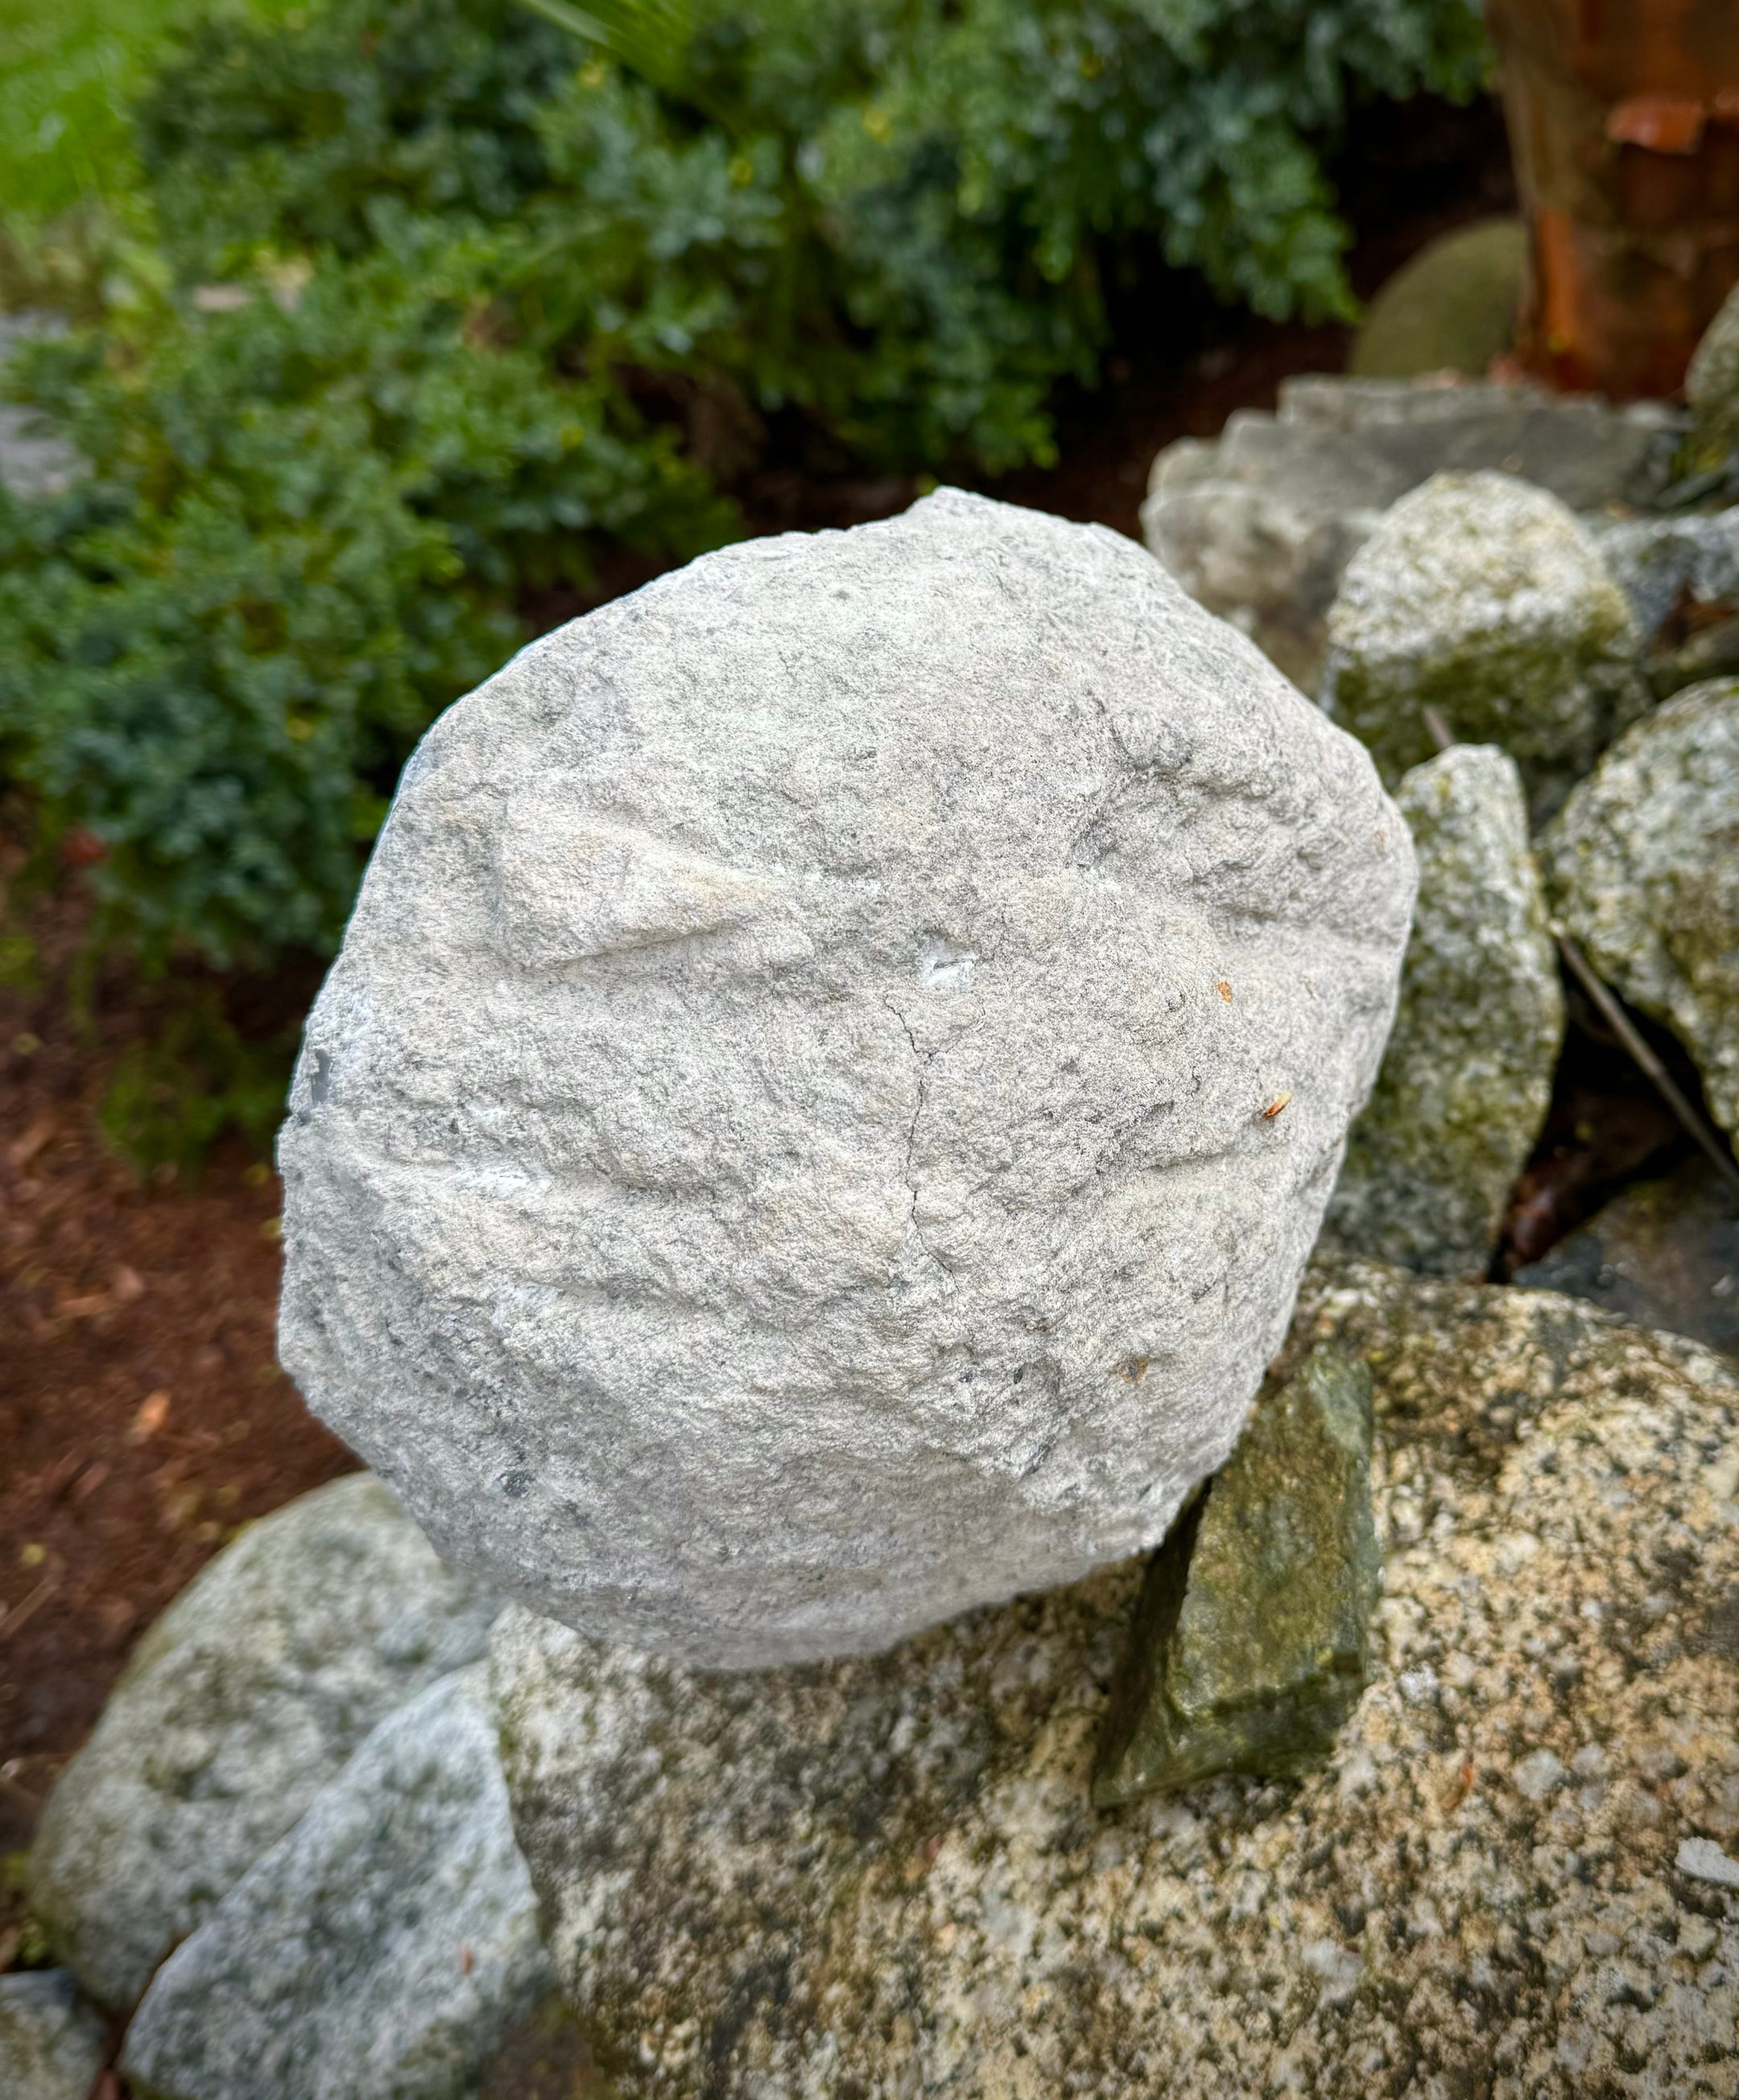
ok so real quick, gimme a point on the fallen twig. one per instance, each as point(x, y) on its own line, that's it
point(1665, 1085)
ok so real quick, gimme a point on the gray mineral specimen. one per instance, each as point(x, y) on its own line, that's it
point(1467, 1077)
point(1642, 868)
point(885, 1876)
point(832, 1082)
point(1251, 1640)
point(381, 1948)
point(242, 1701)
point(1484, 598)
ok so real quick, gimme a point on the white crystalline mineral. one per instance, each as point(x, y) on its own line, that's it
point(830, 1086)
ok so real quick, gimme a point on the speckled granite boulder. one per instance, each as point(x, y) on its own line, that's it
point(832, 1083)
point(1661, 1254)
point(1467, 1077)
point(52, 2041)
point(885, 1876)
point(1250, 1638)
point(1483, 598)
point(382, 1948)
point(238, 1706)
point(1642, 868)
point(1259, 523)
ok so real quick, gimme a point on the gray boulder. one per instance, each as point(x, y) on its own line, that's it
point(1452, 307)
point(1662, 1254)
point(246, 1697)
point(52, 2042)
point(1467, 1077)
point(1643, 869)
point(886, 1876)
point(1259, 524)
point(1665, 564)
point(1482, 598)
point(381, 1949)
point(832, 1081)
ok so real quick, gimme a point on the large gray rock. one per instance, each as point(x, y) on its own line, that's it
point(885, 1876)
point(1452, 307)
point(1666, 565)
point(52, 2042)
point(1482, 598)
point(1643, 869)
point(1467, 1077)
point(832, 1082)
point(245, 1698)
point(1259, 524)
point(382, 1948)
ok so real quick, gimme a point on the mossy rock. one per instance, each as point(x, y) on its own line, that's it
point(1452, 308)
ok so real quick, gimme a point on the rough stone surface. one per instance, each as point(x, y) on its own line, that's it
point(1250, 1639)
point(1662, 1254)
point(1483, 598)
point(1452, 308)
point(1467, 1077)
point(243, 1700)
point(832, 1082)
point(1260, 524)
point(381, 1949)
point(1642, 868)
point(52, 2042)
point(1665, 565)
point(884, 1877)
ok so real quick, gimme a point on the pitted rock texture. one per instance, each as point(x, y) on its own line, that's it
point(832, 1083)
point(1485, 598)
point(884, 1877)
point(1642, 868)
point(382, 1948)
point(1467, 1077)
point(1259, 524)
point(52, 2042)
point(243, 1701)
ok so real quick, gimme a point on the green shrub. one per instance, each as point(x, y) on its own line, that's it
point(502, 302)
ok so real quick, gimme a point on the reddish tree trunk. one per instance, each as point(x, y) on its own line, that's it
point(1624, 122)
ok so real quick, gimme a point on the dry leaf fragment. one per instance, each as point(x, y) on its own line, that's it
point(1277, 1104)
point(1223, 988)
point(153, 1412)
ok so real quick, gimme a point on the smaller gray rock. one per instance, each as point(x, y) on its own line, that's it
point(1660, 1254)
point(1251, 1642)
point(1666, 564)
point(1467, 1078)
point(384, 1947)
point(1483, 598)
point(245, 1698)
point(1642, 868)
point(52, 2042)
point(1260, 524)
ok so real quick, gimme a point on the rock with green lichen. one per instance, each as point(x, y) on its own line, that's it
point(1643, 869)
point(1486, 600)
point(1711, 386)
point(1467, 1077)
point(1250, 1639)
point(245, 1699)
point(1451, 308)
point(885, 1876)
